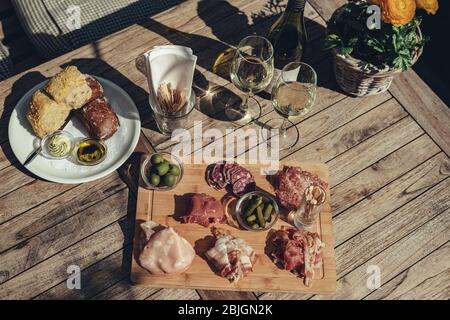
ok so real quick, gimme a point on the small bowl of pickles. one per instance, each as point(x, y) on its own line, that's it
point(257, 211)
point(161, 171)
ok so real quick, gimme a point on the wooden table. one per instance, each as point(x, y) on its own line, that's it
point(388, 156)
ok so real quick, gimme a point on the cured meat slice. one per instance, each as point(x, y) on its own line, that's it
point(230, 173)
point(290, 185)
point(231, 257)
point(217, 175)
point(243, 185)
point(298, 251)
point(163, 250)
point(204, 210)
point(210, 180)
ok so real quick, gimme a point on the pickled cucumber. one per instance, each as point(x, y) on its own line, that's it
point(260, 216)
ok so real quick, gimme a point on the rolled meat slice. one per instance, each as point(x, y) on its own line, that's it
point(99, 118)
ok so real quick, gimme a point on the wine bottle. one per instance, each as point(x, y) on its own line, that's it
point(288, 36)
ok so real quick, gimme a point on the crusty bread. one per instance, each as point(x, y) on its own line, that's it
point(46, 115)
point(69, 87)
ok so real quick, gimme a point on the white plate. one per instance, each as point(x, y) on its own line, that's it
point(120, 145)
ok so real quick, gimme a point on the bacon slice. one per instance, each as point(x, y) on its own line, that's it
point(232, 257)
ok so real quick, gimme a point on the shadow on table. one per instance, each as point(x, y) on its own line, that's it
point(215, 54)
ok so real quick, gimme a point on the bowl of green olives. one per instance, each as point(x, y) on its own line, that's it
point(161, 171)
point(257, 211)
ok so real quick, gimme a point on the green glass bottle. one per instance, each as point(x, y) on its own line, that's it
point(288, 34)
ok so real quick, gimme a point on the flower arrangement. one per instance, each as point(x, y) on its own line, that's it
point(395, 44)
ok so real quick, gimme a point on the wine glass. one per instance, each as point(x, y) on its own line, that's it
point(251, 71)
point(293, 95)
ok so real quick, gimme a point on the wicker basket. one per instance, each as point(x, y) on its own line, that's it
point(360, 78)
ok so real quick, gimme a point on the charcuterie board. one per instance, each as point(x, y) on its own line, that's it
point(162, 206)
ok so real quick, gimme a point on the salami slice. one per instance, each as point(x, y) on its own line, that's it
point(209, 180)
point(243, 185)
point(217, 175)
point(230, 173)
point(227, 167)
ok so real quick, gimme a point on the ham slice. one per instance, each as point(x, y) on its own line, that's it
point(164, 251)
point(204, 210)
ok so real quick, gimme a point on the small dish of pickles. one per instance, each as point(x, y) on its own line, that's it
point(161, 171)
point(257, 211)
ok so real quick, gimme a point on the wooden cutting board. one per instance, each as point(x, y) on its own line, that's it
point(159, 206)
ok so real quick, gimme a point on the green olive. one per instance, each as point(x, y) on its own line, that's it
point(161, 169)
point(157, 158)
point(175, 170)
point(169, 180)
point(154, 179)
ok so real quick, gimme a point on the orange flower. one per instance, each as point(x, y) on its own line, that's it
point(430, 6)
point(377, 2)
point(398, 12)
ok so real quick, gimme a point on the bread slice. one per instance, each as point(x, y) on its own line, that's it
point(46, 115)
point(69, 87)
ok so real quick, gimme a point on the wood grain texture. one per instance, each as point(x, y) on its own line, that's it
point(424, 106)
point(391, 197)
point(377, 237)
point(396, 258)
point(265, 276)
point(428, 279)
point(382, 172)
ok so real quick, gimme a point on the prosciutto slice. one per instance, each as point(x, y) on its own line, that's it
point(204, 210)
point(298, 251)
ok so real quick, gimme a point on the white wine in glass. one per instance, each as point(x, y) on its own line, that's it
point(293, 95)
point(251, 71)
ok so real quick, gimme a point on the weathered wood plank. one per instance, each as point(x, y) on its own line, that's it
point(313, 127)
point(63, 235)
point(351, 134)
point(57, 210)
point(382, 172)
point(372, 150)
point(175, 294)
point(325, 8)
point(124, 290)
point(53, 271)
point(428, 279)
point(379, 236)
point(95, 278)
point(394, 195)
point(424, 106)
point(395, 259)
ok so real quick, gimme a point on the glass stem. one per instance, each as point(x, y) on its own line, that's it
point(244, 105)
point(284, 127)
